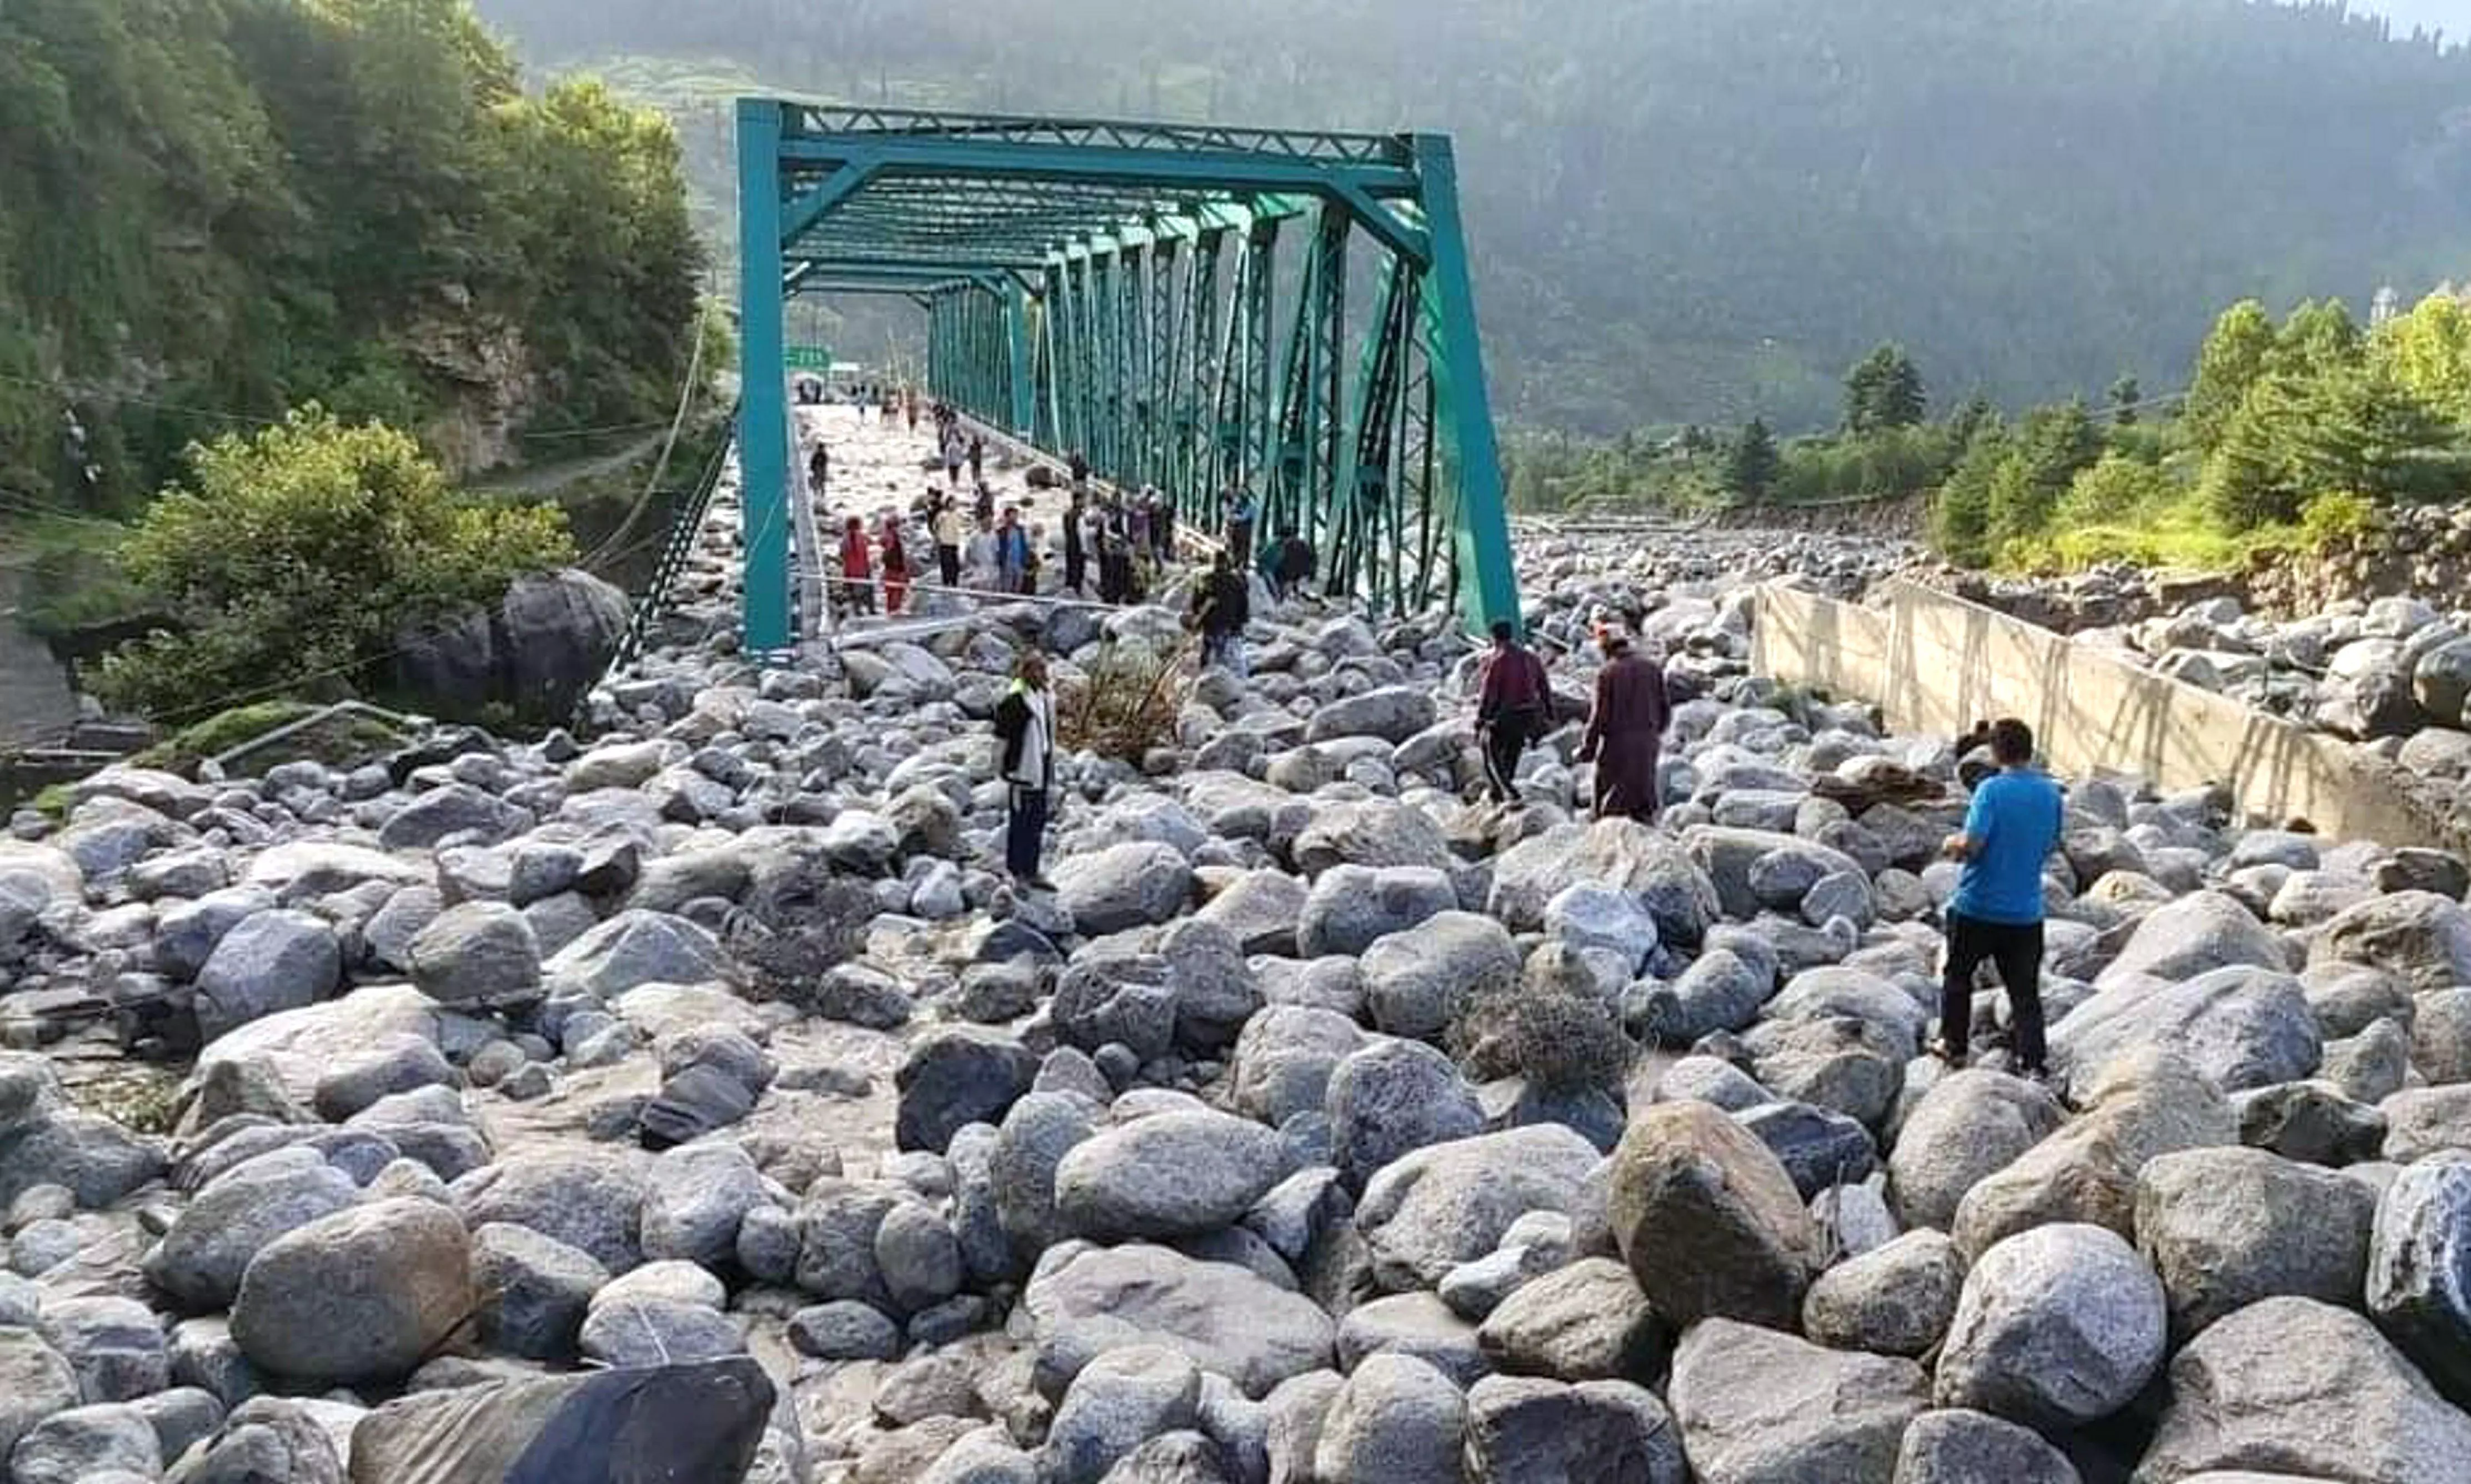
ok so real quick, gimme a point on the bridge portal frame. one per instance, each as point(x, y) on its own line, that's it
point(1111, 287)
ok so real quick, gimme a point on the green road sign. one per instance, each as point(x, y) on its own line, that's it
point(809, 358)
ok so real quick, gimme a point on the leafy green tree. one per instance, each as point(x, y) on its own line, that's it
point(2231, 361)
point(2427, 352)
point(294, 555)
point(1752, 466)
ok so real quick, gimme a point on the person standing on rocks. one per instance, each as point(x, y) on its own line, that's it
point(1514, 707)
point(977, 458)
point(1012, 551)
point(1239, 527)
point(857, 588)
point(1292, 565)
point(896, 566)
point(1221, 608)
point(1026, 726)
point(2010, 828)
point(1075, 552)
point(819, 468)
point(948, 531)
point(1626, 730)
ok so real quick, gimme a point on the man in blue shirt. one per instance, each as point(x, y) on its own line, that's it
point(2012, 826)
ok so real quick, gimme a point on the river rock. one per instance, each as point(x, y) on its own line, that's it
point(2418, 1282)
point(2225, 1228)
point(1527, 1430)
point(2290, 1384)
point(2056, 1326)
point(1433, 1209)
point(1708, 1218)
point(1172, 1174)
point(1224, 1319)
point(361, 1295)
point(1761, 1407)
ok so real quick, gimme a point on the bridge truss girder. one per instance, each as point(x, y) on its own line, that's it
point(1112, 288)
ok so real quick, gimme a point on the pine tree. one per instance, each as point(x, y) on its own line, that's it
point(1752, 466)
point(1884, 390)
point(2125, 393)
point(2231, 361)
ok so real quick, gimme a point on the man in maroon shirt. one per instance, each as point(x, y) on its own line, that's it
point(1626, 730)
point(1513, 709)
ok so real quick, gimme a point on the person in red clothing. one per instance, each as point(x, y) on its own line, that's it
point(1513, 709)
point(896, 566)
point(1626, 730)
point(857, 588)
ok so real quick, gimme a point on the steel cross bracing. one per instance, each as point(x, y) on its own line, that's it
point(1172, 301)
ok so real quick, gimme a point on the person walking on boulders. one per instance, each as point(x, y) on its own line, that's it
point(1026, 726)
point(1513, 708)
point(1626, 730)
point(2010, 828)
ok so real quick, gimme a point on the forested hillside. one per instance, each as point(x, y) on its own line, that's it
point(216, 210)
point(1700, 210)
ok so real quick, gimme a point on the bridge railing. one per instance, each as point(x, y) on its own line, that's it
point(654, 601)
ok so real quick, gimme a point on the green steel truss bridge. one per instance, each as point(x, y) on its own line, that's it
point(1171, 300)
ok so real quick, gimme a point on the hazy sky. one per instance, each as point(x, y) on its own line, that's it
point(2451, 17)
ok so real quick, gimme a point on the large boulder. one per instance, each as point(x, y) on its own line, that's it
point(1621, 855)
point(1135, 884)
point(1527, 1430)
point(1170, 1174)
point(36, 1382)
point(208, 1246)
point(482, 952)
point(2238, 1027)
point(2147, 1104)
point(2292, 1385)
point(1757, 1406)
point(1263, 911)
point(2421, 937)
point(1227, 1320)
point(2192, 936)
point(1417, 983)
point(1969, 1125)
point(361, 1295)
point(1397, 1421)
point(1707, 1219)
point(1351, 907)
point(698, 1420)
point(1584, 1322)
point(2057, 1328)
point(956, 1078)
point(1728, 855)
point(2225, 1228)
point(1392, 712)
point(534, 652)
point(1445, 1204)
point(635, 948)
point(1958, 1446)
point(1284, 1058)
point(1898, 1299)
point(1118, 1403)
point(590, 1202)
point(1393, 1097)
point(2419, 1271)
point(273, 961)
point(1378, 832)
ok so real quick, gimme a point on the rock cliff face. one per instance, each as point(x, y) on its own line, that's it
point(527, 659)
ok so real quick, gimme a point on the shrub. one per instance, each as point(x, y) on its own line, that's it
point(1559, 1040)
point(1126, 704)
point(294, 554)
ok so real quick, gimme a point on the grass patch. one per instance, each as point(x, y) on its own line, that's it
point(140, 1099)
point(52, 803)
point(339, 742)
point(2184, 534)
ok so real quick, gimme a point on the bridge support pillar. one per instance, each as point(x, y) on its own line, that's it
point(765, 448)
